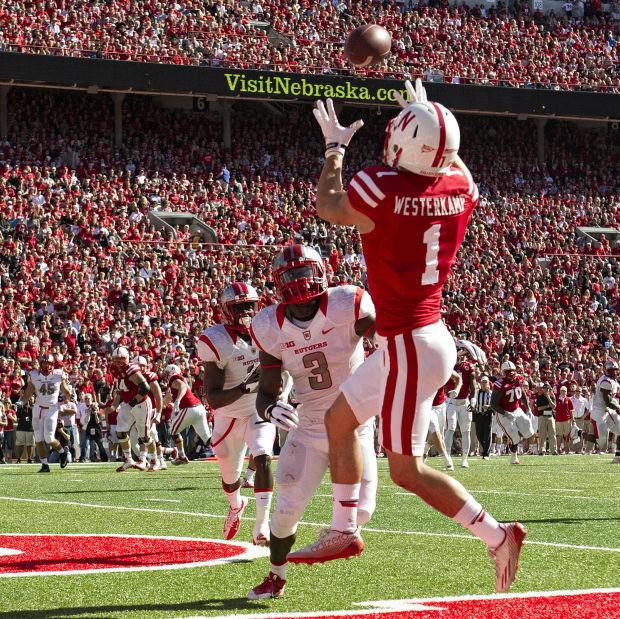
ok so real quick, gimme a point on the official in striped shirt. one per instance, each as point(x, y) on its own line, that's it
point(483, 416)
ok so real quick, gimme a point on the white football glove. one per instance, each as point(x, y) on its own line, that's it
point(282, 415)
point(336, 136)
point(250, 382)
point(452, 394)
point(415, 95)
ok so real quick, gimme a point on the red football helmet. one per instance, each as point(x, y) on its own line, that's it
point(239, 303)
point(299, 274)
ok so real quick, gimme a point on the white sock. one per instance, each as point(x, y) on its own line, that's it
point(249, 474)
point(279, 569)
point(263, 503)
point(475, 519)
point(234, 498)
point(346, 498)
point(43, 460)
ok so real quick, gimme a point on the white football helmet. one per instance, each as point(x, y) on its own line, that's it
point(424, 139)
point(172, 370)
point(509, 369)
point(120, 355)
point(140, 361)
point(239, 303)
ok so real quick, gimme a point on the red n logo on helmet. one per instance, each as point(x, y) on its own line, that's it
point(405, 120)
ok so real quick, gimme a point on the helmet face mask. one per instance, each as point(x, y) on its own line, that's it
point(299, 275)
point(424, 139)
point(239, 304)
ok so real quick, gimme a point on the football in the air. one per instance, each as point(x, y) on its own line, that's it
point(367, 45)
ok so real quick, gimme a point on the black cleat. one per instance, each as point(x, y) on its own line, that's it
point(63, 459)
point(45, 468)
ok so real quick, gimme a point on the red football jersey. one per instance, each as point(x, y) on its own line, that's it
point(127, 390)
point(189, 399)
point(420, 223)
point(464, 371)
point(512, 392)
point(440, 397)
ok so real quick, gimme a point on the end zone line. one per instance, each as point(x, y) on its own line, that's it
point(311, 524)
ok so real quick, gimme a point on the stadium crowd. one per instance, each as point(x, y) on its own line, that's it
point(503, 44)
point(82, 269)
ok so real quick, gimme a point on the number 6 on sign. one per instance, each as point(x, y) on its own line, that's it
point(431, 240)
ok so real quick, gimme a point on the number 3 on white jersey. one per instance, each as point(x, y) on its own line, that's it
point(431, 240)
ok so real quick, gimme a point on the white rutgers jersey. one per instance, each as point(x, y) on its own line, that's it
point(236, 357)
point(47, 387)
point(321, 355)
point(599, 406)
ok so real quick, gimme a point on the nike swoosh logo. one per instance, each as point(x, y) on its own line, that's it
point(326, 331)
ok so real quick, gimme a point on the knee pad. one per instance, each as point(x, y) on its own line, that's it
point(122, 436)
point(284, 522)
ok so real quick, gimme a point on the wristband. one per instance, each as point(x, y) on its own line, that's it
point(333, 148)
point(133, 402)
point(268, 412)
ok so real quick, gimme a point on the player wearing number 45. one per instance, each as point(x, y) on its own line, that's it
point(316, 334)
point(412, 214)
point(46, 384)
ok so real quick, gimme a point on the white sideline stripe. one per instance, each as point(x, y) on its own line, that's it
point(410, 605)
point(320, 525)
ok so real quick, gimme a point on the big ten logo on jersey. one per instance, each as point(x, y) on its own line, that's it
point(289, 344)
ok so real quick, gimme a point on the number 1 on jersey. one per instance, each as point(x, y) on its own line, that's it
point(431, 240)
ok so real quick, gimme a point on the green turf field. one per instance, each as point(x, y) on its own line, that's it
point(570, 506)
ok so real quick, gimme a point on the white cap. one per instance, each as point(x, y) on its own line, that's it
point(484, 378)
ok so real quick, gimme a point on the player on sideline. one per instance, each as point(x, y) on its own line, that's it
point(458, 408)
point(187, 410)
point(45, 384)
point(605, 413)
point(132, 391)
point(412, 214)
point(316, 334)
point(230, 377)
point(511, 405)
point(157, 463)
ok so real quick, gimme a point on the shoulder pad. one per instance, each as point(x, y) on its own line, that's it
point(266, 331)
point(214, 344)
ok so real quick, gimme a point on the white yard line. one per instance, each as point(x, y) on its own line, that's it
point(550, 496)
point(321, 525)
point(164, 500)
